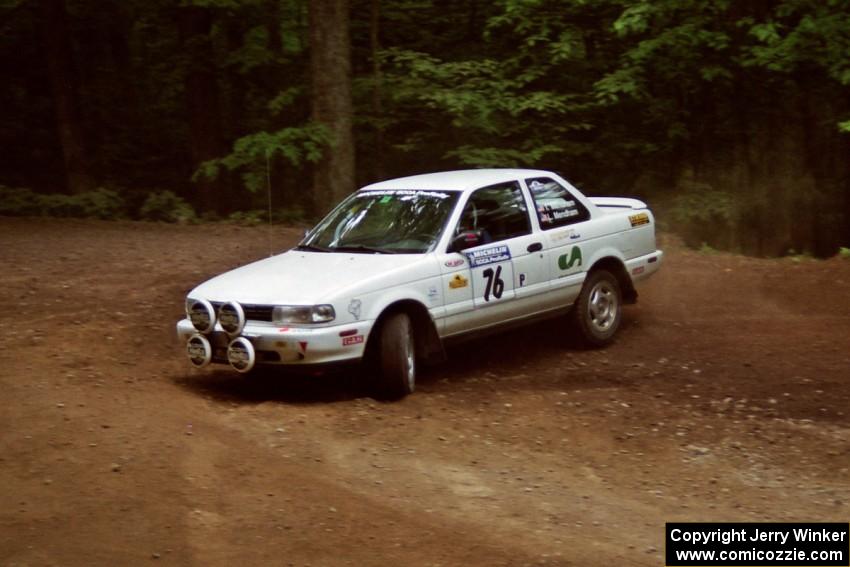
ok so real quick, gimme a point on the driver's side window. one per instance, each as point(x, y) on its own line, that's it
point(497, 212)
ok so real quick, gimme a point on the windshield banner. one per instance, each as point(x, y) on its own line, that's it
point(403, 192)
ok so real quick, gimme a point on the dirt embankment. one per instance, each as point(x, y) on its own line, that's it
point(726, 398)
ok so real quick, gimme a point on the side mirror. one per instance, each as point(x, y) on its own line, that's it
point(464, 240)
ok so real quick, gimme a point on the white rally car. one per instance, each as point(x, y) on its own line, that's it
point(401, 266)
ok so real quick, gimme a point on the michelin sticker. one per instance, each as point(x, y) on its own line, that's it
point(488, 256)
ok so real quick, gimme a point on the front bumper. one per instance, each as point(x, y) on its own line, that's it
point(290, 345)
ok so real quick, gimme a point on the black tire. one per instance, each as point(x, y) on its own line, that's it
point(396, 357)
point(597, 312)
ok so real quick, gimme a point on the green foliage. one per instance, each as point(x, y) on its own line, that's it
point(505, 129)
point(626, 82)
point(254, 52)
point(700, 203)
point(257, 217)
point(796, 257)
point(801, 33)
point(20, 202)
point(634, 19)
point(249, 218)
point(671, 49)
point(292, 215)
point(165, 206)
point(844, 253)
point(503, 157)
point(251, 153)
point(610, 92)
point(706, 248)
point(284, 99)
point(703, 216)
point(210, 3)
point(99, 204)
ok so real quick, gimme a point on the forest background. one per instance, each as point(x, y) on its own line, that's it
point(732, 118)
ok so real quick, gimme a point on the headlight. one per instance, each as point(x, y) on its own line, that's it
point(231, 317)
point(303, 314)
point(201, 313)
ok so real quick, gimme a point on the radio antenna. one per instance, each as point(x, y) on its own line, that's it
point(269, 192)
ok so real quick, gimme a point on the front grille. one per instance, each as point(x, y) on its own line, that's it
point(252, 312)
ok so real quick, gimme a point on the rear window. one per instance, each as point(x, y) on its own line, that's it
point(555, 205)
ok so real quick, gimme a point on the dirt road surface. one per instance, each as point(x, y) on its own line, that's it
point(726, 398)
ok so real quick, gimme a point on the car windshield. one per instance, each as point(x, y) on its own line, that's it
point(384, 222)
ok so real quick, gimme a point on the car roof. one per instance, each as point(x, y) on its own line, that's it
point(460, 180)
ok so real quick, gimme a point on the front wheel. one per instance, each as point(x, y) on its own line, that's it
point(597, 312)
point(396, 357)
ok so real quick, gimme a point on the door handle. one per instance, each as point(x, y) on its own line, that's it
point(536, 247)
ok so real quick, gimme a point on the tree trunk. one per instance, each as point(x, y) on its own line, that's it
point(377, 96)
point(330, 70)
point(234, 100)
point(202, 101)
point(63, 83)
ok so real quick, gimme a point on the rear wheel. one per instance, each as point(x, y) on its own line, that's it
point(396, 357)
point(597, 312)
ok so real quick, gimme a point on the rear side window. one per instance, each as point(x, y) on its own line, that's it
point(555, 205)
point(499, 211)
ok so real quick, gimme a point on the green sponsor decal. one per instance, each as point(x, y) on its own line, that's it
point(574, 258)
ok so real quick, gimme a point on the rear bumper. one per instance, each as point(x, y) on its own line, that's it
point(642, 267)
point(296, 346)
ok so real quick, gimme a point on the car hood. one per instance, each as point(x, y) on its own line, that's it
point(304, 278)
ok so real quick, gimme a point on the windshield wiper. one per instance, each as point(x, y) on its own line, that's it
point(362, 248)
point(311, 248)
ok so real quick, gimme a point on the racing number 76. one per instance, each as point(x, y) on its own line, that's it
point(495, 284)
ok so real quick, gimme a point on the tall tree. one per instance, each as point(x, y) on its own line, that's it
point(56, 39)
point(377, 96)
point(331, 106)
point(202, 101)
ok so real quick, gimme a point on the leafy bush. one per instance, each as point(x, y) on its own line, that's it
point(98, 204)
point(102, 203)
point(703, 216)
point(844, 253)
point(797, 257)
point(19, 202)
point(706, 248)
point(163, 206)
point(294, 215)
point(259, 216)
point(249, 218)
point(167, 207)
